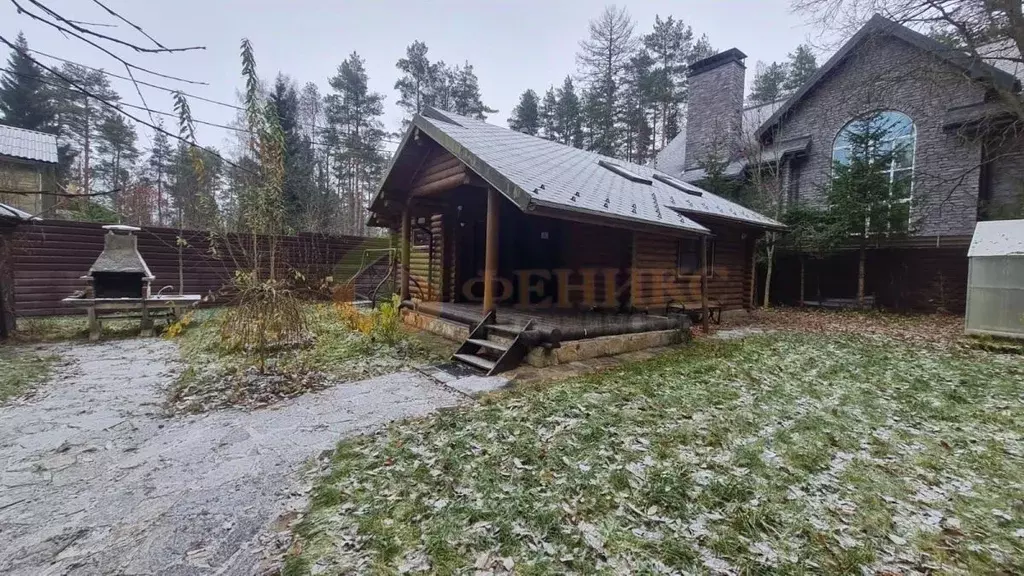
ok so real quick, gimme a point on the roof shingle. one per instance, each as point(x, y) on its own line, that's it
point(566, 178)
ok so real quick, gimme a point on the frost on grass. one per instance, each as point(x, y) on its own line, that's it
point(331, 353)
point(787, 453)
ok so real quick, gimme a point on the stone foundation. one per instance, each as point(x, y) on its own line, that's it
point(575, 350)
point(449, 330)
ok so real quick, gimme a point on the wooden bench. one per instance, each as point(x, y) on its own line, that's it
point(142, 309)
point(696, 311)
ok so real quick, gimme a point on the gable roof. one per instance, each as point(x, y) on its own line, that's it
point(879, 25)
point(28, 144)
point(534, 172)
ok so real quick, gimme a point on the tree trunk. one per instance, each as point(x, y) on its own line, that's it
point(861, 272)
point(770, 256)
point(803, 277)
point(85, 149)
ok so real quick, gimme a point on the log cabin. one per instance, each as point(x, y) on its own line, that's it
point(534, 247)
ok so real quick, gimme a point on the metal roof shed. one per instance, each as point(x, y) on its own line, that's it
point(995, 281)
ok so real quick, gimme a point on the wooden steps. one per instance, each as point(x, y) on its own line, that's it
point(493, 347)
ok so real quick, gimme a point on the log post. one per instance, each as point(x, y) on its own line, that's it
point(405, 242)
point(705, 318)
point(491, 249)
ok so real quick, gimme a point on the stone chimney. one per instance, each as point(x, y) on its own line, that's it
point(714, 112)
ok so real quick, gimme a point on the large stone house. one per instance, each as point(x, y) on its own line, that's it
point(964, 153)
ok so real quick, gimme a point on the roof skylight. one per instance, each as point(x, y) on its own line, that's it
point(624, 172)
point(678, 184)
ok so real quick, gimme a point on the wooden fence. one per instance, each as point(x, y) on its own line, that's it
point(50, 257)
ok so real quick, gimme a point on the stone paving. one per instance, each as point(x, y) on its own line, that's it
point(96, 480)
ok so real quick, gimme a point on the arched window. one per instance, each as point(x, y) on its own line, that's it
point(898, 135)
point(901, 135)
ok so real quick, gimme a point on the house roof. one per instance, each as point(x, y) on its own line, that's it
point(28, 144)
point(998, 238)
point(12, 213)
point(672, 158)
point(534, 172)
point(976, 69)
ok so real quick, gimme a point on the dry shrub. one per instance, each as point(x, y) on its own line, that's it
point(267, 315)
point(382, 324)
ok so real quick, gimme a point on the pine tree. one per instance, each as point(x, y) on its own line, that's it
point(158, 164)
point(79, 116)
point(548, 113)
point(603, 58)
point(526, 115)
point(298, 188)
point(802, 65)
point(194, 195)
point(415, 85)
point(442, 86)
point(353, 116)
point(24, 98)
point(116, 153)
point(768, 82)
point(466, 98)
point(569, 115)
point(640, 106)
point(865, 201)
point(669, 45)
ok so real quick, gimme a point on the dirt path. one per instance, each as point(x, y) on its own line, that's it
point(95, 480)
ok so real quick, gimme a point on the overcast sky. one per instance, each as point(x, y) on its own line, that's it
point(512, 44)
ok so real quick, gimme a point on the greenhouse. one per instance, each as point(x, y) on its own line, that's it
point(995, 284)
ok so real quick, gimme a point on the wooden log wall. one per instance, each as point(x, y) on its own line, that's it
point(50, 257)
point(6, 280)
point(426, 259)
point(656, 282)
point(601, 250)
point(440, 171)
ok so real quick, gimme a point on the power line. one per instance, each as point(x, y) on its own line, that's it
point(67, 31)
point(109, 105)
point(131, 45)
point(146, 108)
point(157, 86)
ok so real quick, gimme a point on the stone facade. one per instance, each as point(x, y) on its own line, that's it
point(716, 90)
point(885, 73)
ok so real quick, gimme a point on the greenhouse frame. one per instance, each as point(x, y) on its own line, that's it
point(995, 282)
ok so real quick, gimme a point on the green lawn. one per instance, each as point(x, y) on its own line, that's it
point(21, 370)
point(782, 453)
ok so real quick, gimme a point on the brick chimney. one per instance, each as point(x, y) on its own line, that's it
point(714, 113)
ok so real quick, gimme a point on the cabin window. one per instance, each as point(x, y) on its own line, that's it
point(421, 239)
point(688, 257)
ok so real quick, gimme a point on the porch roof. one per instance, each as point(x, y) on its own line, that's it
point(537, 173)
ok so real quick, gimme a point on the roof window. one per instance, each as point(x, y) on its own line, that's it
point(678, 184)
point(624, 172)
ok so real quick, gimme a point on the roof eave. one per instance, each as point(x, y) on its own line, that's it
point(978, 71)
point(773, 225)
point(558, 207)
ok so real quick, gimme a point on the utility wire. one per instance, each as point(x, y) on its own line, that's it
point(157, 86)
point(146, 108)
point(128, 22)
point(66, 31)
point(131, 45)
point(106, 103)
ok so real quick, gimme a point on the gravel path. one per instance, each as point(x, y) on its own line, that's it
point(95, 480)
